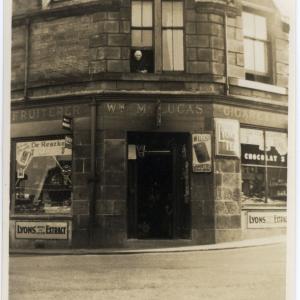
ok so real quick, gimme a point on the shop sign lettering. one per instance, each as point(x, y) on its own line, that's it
point(251, 154)
point(227, 137)
point(267, 219)
point(251, 116)
point(201, 152)
point(48, 113)
point(42, 230)
point(146, 108)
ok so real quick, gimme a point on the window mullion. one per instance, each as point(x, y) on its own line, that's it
point(266, 169)
point(158, 36)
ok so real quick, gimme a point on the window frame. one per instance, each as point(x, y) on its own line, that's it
point(264, 166)
point(182, 28)
point(253, 75)
point(157, 31)
point(13, 165)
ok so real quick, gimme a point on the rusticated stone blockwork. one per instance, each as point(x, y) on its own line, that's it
point(111, 187)
point(227, 204)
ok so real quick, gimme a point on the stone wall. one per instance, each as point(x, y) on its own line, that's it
point(111, 223)
point(81, 195)
point(94, 45)
point(227, 204)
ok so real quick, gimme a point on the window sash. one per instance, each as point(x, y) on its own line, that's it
point(141, 38)
point(172, 50)
point(256, 56)
point(141, 13)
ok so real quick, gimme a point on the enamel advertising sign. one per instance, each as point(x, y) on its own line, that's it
point(201, 152)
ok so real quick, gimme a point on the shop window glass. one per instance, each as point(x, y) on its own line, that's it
point(43, 183)
point(253, 187)
point(264, 166)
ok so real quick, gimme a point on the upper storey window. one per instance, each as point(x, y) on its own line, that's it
point(172, 35)
point(256, 46)
point(165, 51)
point(142, 36)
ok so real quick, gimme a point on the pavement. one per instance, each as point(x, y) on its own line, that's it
point(253, 272)
point(191, 248)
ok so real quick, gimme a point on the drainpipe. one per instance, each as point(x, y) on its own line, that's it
point(26, 63)
point(92, 178)
point(226, 90)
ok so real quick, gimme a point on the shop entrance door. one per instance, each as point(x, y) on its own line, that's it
point(155, 199)
point(157, 191)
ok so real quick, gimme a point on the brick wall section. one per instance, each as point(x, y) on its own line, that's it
point(227, 199)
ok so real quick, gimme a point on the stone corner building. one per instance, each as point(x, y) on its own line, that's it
point(186, 145)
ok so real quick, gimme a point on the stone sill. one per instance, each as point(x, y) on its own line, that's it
point(122, 77)
point(41, 217)
point(258, 86)
point(264, 207)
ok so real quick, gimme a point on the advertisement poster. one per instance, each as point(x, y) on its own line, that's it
point(227, 137)
point(42, 230)
point(267, 219)
point(201, 152)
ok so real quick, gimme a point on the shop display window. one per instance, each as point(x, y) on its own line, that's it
point(43, 182)
point(264, 166)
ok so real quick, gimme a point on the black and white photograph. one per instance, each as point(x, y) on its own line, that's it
point(150, 150)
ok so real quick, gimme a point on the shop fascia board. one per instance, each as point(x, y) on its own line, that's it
point(144, 96)
point(254, 85)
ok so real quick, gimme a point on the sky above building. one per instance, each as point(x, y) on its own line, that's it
point(285, 6)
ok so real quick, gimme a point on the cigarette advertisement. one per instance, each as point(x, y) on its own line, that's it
point(201, 152)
